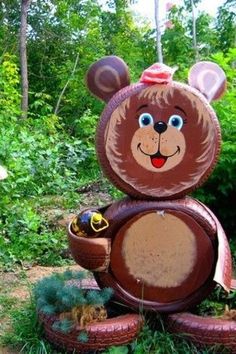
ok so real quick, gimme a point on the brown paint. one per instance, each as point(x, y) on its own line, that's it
point(119, 126)
point(107, 76)
point(116, 331)
point(119, 214)
point(90, 253)
point(107, 279)
point(201, 267)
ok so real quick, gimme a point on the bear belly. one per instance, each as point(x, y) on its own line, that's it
point(163, 253)
point(162, 256)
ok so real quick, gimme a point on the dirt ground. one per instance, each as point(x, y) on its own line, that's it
point(16, 286)
point(18, 283)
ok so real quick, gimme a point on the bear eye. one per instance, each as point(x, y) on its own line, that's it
point(145, 119)
point(176, 121)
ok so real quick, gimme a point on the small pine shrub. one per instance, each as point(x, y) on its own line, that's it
point(64, 326)
point(83, 337)
point(55, 295)
point(61, 293)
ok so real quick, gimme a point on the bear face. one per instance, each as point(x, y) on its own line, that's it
point(159, 140)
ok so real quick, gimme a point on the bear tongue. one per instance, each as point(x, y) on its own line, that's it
point(158, 162)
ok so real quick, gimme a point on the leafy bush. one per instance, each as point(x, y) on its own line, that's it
point(219, 191)
point(42, 159)
point(26, 237)
point(216, 302)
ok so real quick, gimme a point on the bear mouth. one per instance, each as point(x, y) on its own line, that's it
point(158, 160)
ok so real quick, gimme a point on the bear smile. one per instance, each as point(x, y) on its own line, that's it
point(158, 160)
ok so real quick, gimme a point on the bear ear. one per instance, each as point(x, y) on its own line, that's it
point(107, 76)
point(208, 78)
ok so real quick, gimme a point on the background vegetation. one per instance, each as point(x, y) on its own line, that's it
point(51, 153)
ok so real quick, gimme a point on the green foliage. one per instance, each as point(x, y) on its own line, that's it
point(215, 303)
point(177, 44)
point(65, 326)
point(219, 191)
point(98, 298)
point(226, 26)
point(26, 332)
point(83, 337)
point(42, 160)
point(6, 304)
point(9, 94)
point(55, 295)
point(160, 342)
point(118, 350)
point(25, 236)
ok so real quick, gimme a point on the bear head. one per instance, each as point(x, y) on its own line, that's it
point(158, 138)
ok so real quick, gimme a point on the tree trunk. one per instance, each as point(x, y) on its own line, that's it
point(158, 31)
point(23, 57)
point(66, 84)
point(195, 48)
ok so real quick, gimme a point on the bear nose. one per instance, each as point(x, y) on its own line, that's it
point(160, 127)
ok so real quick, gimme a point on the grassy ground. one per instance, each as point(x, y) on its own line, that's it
point(21, 333)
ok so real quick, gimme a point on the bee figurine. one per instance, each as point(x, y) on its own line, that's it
point(88, 223)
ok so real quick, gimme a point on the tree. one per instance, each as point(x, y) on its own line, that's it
point(177, 42)
point(226, 25)
point(194, 32)
point(25, 4)
point(158, 31)
point(191, 6)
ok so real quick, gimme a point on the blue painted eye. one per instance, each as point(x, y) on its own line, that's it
point(176, 121)
point(145, 119)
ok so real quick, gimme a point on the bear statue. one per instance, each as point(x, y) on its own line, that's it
point(157, 140)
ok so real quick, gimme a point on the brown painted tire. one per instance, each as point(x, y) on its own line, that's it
point(149, 292)
point(90, 253)
point(114, 331)
point(204, 330)
point(129, 155)
point(233, 284)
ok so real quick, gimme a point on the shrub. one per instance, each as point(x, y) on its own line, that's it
point(219, 192)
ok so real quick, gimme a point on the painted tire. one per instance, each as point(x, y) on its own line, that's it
point(129, 286)
point(204, 330)
point(128, 154)
point(117, 330)
point(114, 331)
point(233, 284)
point(90, 253)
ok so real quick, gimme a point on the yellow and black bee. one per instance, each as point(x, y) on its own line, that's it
point(88, 223)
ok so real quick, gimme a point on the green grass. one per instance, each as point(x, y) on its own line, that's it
point(6, 304)
point(26, 336)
